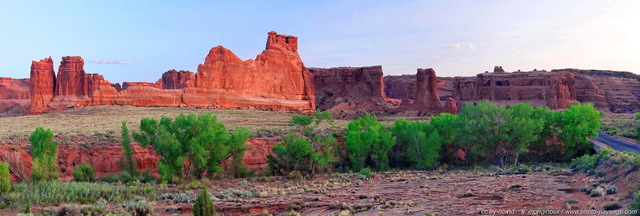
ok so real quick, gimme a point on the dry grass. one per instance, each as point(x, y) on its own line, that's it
point(107, 119)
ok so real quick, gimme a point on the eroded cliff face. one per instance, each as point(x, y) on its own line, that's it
point(538, 88)
point(14, 96)
point(276, 80)
point(607, 90)
point(348, 91)
point(404, 86)
point(42, 86)
point(174, 79)
point(426, 98)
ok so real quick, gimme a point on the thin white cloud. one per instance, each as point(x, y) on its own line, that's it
point(446, 58)
point(454, 46)
point(112, 62)
point(472, 47)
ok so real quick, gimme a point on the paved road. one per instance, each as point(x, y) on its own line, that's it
point(617, 144)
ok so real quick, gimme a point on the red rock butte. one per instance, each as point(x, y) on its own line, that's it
point(276, 80)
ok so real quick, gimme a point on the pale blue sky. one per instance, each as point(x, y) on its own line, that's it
point(456, 38)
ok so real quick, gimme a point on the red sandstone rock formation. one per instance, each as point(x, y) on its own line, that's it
point(276, 79)
point(538, 88)
point(42, 87)
point(347, 91)
point(562, 92)
point(450, 106)
point(14, 96)
point(404, 86)
point(173, 79)
point(426, 97)
point(127, 85)
point(117, 86)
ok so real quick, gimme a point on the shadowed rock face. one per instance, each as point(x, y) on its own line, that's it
point(276, 80)
point(14, 96)
point(174, 79)
point(607, 90)
point(362, 86)
point(426, 97)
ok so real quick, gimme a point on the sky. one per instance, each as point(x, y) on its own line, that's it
point(139, 40)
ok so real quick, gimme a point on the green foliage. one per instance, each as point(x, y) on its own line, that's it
point(294, 153)
point(487, 131)
point(45, 155)
point(140, 208)
point(635, 204)
point(129, 164)
point(237, 147)
point(203, 141)
point(50, 193)
point(588, 163)
point(204, 206)
point(366, 172)
point(579, 122)
point(315, 150)
point(84, 172)
point(418, 143)
point(445, 125)
point(368, 143)
point(5, 182)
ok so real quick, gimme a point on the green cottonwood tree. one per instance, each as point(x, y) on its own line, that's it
point(316, 149)
point(201, 140)
point(418, 143)
point(368, 143)
point(45, 155)
point(579, 122)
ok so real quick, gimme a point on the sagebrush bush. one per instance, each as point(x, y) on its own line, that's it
point(56, 193)
point(140, 208)
point(5, 181)
point(595, 192)
point(204, 206)
point(84, 172)
point(612, 190)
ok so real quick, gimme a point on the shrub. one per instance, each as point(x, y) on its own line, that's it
point(84, 172)
point(140, 208)
point(523, 169)
point(366, 172)
point(635, 204)
point(45, 155)
point(612, 206)
point(612, 190)
point(571, 201)
point(203, 206)
point(595, 192)
point(5, 182)
point(128, 163)
point(313, 151)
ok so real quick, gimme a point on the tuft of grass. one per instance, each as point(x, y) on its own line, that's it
point(571, 201)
